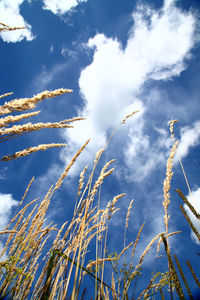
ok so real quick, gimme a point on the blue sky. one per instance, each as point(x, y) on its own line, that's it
point(117, 56)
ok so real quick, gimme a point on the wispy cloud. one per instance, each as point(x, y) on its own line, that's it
point(190, 137)
point(45, 77)
point(3, 173)
point(68, 52)
point(51, 49)
point(142, 154)
point(10, 15)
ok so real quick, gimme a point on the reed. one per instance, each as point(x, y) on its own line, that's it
point(25, 152)
point(5, 27)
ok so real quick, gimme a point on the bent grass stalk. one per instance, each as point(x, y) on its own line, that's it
point(183, 276)
point(28, 151)
point(11, 119)
point(29, 103)
point(6, 94)
point(5, 27)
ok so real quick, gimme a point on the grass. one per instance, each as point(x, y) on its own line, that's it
point(29, 271)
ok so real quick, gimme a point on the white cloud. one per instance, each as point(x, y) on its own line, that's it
point(157, 47)
point(67, 52)
point(190, 137)
point(6, 204)
point(158, 53)
point(10, 15)
point(194, 199)
point(51, 49)
point(142, 153)
point(61, 6)
point(45, 77)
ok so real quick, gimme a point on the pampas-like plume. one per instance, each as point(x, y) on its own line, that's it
point(10, 28)
point(8, 231)
point(167, 183)
point(6, 27)
point(81, 183)
point(12, 119)
point(26, 191)
point(171, 127)
point(6, 94)
point(136, 241)
point(126, 248)
point(112, 205)
point(30, 150)
point(28, 103)
point(148, 247)
point(101, 177)
point(19, 129)
point(60, 180)
point(128, 213)
point(73, 120)
point(128, 116)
